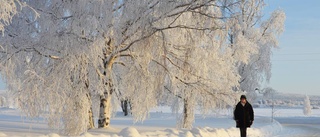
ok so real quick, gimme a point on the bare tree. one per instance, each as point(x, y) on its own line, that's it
point(268, 93)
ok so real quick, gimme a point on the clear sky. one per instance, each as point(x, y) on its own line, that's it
point(296, 64)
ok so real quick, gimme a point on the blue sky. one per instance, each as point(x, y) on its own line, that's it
point(296, 64)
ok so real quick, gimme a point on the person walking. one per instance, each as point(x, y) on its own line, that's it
point(243, 115)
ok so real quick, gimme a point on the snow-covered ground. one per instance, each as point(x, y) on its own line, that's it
point(293, 122)
point(161, 123)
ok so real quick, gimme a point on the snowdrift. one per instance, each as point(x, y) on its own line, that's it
point(265, 131)
point(159, 124)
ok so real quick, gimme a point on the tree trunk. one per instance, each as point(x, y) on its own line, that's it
point(188, 115)
point(105, 106)
point(105, 111)
point(124, 106)
point(105, 99)
point(91, 123)
point(90, 114)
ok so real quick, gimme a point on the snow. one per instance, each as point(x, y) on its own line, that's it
point(129, 132)
point(307, 106)
point(53, 135)
point(3, 135)
point(286, 112)
point(161, 123)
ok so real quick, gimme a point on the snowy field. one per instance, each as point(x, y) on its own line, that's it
point(161, 123)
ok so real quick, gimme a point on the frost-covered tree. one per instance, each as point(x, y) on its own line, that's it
point(307, 106)
point(193, 54)
point(258, 37)
point(46, 67)
point(8, 8)
point(57, 61)
point(76, 52)
point(187, 64)
point(269, 93)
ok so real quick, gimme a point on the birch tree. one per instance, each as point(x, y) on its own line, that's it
point(60, 55)
point(58, 62)
point(182, 64)
point(257, 39)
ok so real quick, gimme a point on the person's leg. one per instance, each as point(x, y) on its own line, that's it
point(243, 132)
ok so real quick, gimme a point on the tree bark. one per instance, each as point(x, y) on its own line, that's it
point(187, 115)
point(105, 111)
point(105, 106)
point(90, 112)
point(91, 123)
point(124, 106)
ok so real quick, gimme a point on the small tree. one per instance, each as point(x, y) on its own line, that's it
point(307, 106)
point(269, 92)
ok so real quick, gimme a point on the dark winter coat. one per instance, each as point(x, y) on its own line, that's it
point(243, 115)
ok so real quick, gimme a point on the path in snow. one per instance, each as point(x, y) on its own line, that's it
point(299, 126)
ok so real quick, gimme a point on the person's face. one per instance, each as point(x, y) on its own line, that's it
point(243, 100)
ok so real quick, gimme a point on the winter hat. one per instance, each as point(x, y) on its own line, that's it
point(243, 96)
